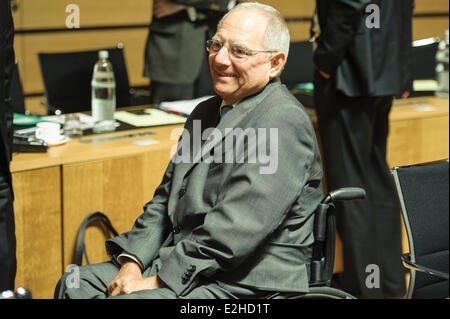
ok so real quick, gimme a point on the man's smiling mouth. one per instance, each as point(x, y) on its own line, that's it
point(226, 75)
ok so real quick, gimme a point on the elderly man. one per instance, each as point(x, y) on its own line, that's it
point(226, 228)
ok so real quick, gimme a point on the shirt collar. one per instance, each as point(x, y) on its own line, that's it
point(223, 104)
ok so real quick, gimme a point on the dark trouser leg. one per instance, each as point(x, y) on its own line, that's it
point(92, 281)
point(7, 236)
point(353, 134)
point(203, 84)
point(86, 282)
point(387, 207)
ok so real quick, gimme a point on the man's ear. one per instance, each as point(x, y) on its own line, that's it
point(277, 63)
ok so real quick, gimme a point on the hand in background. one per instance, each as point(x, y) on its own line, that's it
point(163, 8)
point(324, 75)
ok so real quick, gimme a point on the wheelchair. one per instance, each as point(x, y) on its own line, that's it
point(323, 251)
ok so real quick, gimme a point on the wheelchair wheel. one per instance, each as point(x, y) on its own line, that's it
point(325, 293)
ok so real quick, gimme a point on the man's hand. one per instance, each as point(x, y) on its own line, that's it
point(324, 75)
point(163, 8)
point(129, 279)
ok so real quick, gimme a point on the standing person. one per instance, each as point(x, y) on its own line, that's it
point(226, 229)
point(175, 59)
point(7, 232)
point(362, 61)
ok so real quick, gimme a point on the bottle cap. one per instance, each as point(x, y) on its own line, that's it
point(103, 54)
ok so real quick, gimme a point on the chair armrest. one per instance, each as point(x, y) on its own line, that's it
point(50, 109)
point(406, 258)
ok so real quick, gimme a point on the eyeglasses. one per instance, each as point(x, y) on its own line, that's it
point(235, 51)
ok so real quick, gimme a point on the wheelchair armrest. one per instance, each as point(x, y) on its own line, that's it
point(406, 258)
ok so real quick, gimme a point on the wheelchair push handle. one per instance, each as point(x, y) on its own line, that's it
point(345, 193)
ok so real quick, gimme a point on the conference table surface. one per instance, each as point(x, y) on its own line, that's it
point(80, 149)
point(55, 190)
point(76, 151)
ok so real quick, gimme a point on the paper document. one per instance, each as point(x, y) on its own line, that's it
point(183, 106)
point(148, 117)
point(425, 85)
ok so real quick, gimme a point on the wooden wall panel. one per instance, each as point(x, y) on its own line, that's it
point(299, 31)
point(111, 187)
point(47, 14)
point(433, 6)
point(30, 45)
point(415, 141)
point(293, 8)
point(427, 27)
point(37, 209)
point(50, 14)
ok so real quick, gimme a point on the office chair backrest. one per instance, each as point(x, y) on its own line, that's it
point(67, 78)
point(424, 58)
point(16, 92)
point(299, 67)
point(423, 194)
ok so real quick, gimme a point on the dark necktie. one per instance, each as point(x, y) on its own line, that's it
point(224, 110)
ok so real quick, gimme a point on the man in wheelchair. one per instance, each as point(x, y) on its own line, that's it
point(221, 226)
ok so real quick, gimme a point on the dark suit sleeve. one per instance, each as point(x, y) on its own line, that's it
point(249, 208)
point(6, 46)
point(342, 22)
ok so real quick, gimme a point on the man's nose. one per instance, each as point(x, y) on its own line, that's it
point(223, 56)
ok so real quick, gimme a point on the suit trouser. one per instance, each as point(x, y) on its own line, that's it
point(91, 281)
point(354, 132)
point(202, 86)
point(7, 236)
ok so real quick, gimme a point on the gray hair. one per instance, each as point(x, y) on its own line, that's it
point(276, 36)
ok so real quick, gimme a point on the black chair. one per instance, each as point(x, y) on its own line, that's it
point(423, 65)
point(16, 92)
point(423, 194)
point(323, 252)
point(424, 58)
point(299, 67)
point(67, 79)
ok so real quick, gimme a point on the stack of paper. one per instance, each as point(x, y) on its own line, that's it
point(182, 107)
point(151, 117)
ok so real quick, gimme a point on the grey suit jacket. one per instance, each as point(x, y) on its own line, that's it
point(228, 221)
point(176, 46)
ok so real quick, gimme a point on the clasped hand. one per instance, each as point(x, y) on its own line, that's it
point(129, 279)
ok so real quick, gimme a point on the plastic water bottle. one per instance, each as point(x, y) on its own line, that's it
point(442, 67)
point(103, 103)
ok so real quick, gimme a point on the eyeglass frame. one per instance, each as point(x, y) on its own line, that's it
point(246, 54)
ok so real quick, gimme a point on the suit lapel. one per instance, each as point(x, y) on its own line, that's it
point(209, 120)
point(208, 117)
point(239, 114)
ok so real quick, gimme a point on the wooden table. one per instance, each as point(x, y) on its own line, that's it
point(54, 191)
